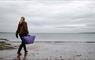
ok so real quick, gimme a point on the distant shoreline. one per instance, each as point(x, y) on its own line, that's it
point(6, 40)
point(58, 33)
point(57, 41)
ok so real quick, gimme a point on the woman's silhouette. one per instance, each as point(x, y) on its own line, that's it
point(22, 30)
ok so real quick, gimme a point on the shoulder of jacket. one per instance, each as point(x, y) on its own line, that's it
point(24, 22)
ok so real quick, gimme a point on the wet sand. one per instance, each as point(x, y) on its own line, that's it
point(53, 51)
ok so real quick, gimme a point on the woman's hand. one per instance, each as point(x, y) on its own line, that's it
point(16, 35)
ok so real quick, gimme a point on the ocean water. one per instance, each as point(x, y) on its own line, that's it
point(53, 37)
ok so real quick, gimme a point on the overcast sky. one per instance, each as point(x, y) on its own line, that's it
point(50, 16)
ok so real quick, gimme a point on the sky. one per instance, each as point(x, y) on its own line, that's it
point(48, 16)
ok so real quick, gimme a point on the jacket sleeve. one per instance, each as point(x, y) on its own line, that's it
point(18, 28)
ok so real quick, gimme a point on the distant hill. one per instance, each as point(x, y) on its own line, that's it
point(88, 32)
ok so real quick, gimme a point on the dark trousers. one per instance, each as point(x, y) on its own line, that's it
point(22, 45)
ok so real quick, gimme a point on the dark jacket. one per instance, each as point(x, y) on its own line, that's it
point(22, 28)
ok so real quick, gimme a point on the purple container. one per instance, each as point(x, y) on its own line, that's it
point(28, 39)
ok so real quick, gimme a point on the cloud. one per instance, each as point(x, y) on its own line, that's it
point(48, 16)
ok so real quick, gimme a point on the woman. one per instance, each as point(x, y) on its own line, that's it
point(22, 30)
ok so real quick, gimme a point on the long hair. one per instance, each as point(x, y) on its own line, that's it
point(22, 20)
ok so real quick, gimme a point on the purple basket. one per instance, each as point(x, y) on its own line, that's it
point(28, 39)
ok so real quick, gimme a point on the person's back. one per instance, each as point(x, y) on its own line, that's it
point(23, 28)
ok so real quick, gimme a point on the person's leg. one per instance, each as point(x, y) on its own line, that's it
point(24, 46)
point(19, 49)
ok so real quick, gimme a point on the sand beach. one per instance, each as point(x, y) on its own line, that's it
point(53, 51)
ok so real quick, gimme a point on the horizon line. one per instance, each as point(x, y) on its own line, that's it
point(51, 32)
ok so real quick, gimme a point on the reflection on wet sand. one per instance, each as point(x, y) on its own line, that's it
point(19, 57)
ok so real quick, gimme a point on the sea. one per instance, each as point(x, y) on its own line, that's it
point(53, 37)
